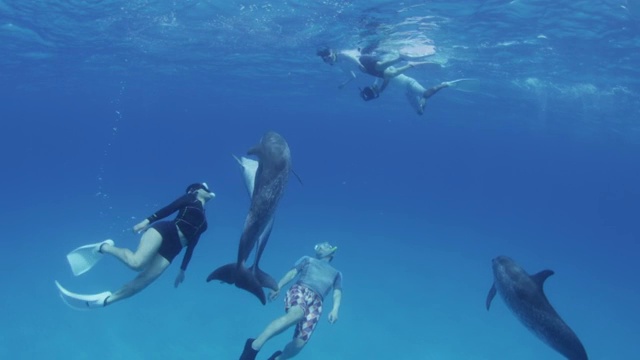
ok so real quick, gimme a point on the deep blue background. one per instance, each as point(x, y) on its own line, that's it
point(109, 110)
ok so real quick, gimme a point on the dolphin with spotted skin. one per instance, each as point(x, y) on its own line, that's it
point(524, 296)
point(265, 181)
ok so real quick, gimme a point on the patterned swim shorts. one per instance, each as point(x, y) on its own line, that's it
point(311, 304)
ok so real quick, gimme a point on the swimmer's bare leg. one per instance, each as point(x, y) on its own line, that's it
point(383, 65)
point(393, 71)
point(429, 93)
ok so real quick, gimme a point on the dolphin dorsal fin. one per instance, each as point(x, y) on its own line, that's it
point(540, 277)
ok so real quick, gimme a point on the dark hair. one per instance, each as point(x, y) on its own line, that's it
point(323, 51)
point(369, 93)
point(196, 186)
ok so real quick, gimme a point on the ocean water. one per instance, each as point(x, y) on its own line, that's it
point(110, 108)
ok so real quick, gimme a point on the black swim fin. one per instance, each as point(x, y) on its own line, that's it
point(248, 353)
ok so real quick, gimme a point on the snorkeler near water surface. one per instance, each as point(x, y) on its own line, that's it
point(383, 69)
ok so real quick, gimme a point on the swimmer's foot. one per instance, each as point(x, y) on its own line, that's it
point(249, 353)
point(106, 242)
point(421, 105)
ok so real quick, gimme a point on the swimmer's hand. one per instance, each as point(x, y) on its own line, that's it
point(179, 279)
point(274, 295)
point(333, 316)
point(140, 226)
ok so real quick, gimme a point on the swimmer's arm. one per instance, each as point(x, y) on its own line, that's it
point(188, 254)
point(171, 208)
point(337, 299)
point(141, 225)
point(179, 278)
point(287, 277)
point(185, 263)
point(284, 281)
point(162, 213)
point(349, 60)
point(384, 85)
point(351, 77)
point(380, 89)
point(353, 57)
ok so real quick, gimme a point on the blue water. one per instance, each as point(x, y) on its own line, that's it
point(110, 108)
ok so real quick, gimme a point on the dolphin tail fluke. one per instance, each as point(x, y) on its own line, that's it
point(247, 280)
point(242, 277)
point(265, 279)
point(227, 273)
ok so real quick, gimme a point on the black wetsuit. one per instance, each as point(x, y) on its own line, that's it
point(369, 63)
point(191, 221)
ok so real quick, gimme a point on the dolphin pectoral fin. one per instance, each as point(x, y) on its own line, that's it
point(247, 280)
point(540, 277)
point(265, 279)
point(491, 295)
point(297, 176)
point(226, 273)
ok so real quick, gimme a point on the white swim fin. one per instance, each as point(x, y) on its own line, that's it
point(82, 302)
point(466, 85)
point(85, 257)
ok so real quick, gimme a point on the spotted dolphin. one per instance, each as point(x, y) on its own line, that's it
point(265, 183)
point(524, 296)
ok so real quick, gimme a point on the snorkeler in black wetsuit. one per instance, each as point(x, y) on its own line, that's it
point(163, 241)
point(189, 224)
point(368, 63)
point(373, 66)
